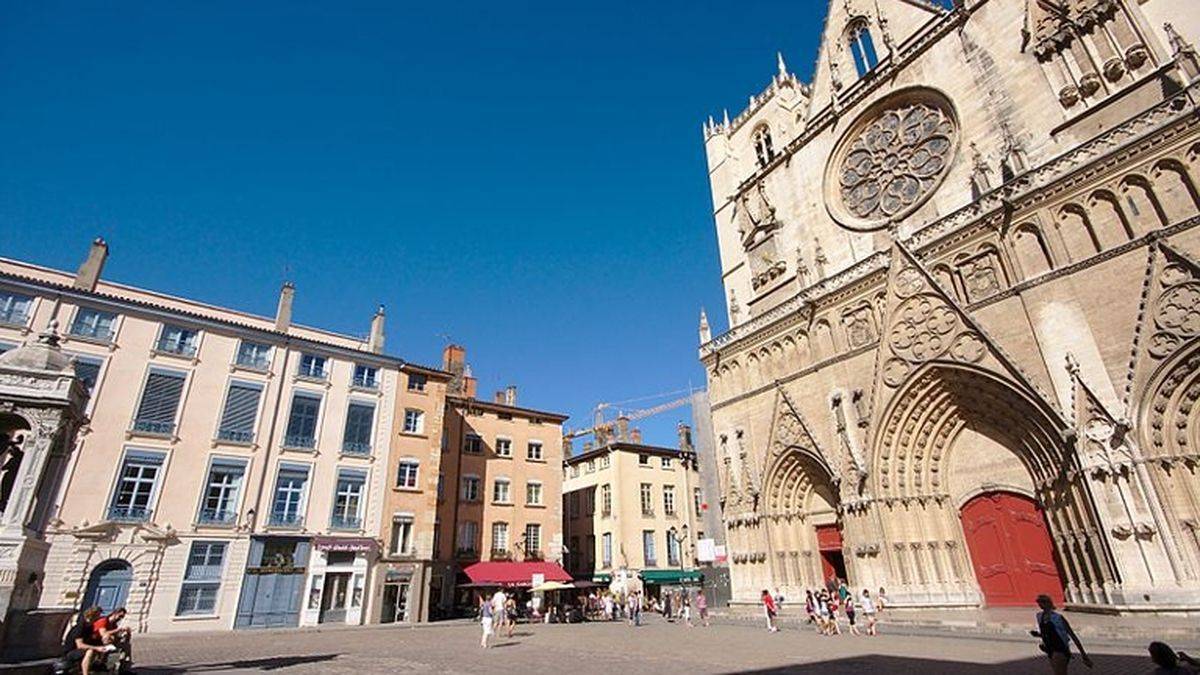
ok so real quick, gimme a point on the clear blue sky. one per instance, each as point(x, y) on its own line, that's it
point(526, 178)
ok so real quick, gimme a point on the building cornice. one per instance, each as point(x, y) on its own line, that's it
point(477, 404)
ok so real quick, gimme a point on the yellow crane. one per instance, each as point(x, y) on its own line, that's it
point(603, 429)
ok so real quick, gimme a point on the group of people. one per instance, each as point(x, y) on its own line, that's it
point(497, 613)
point(826, 607)
point(93, 639)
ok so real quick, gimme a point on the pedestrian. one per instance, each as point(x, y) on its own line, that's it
point(666, 606)
point(1168, 661)
point(686, 611)
point(636, 608)
point(850, 615)
point(810, 607)
point(499, 599)
point(608, 607)
point(778, 600)
point(510, 615)
point(1056, 635)
point(702, 606)
point(881, 600)
point(485, 621)
point(868, 610)
point(834, 624)
point(769, 609)
point(843, 591)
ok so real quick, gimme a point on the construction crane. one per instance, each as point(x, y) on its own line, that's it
point(602, 429)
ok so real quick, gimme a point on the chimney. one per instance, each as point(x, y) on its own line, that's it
point(283, 315)
point(469, 383)
point(453, 358)
point(89, 272)
point(510, 395)
point(499, 397)
point(622, 428)
point(376, 342)
point(635, 436)
point(685, 437)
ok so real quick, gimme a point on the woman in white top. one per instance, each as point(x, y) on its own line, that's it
point(868, 609)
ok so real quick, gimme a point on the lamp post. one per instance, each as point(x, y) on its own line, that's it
point(679, 536)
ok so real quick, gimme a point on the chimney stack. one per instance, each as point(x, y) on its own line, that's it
point(622, 428)
point(510, 395)
point(499, 397)
point(469, 383)
point(89, 272)
point(685, 437)
point(283, 315)
point(635, 436)
point(376, 342)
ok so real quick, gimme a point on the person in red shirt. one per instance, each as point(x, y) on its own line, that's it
point(111, 632)
point(770, 610)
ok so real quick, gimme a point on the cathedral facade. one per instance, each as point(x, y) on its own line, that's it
point(962, 269)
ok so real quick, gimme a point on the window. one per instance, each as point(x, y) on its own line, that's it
point(861, 47)
point(348, 499)
point(240, 413)
point(470, 488)
point(533, 493)
point(14, 308)
point(500, 491)
point(312, 366)
point(672, 550)
point(468, 537)
point(606, 549)
point(221, 491)
point(302, 421)
point(416, 382)
point(666, 462)
point(177, 340)
point(137, 485)
point(93, 324)
point(499, 538)
point(87, 371)
point(697, 500)
point(254, 355)
point(589, 502)
point(287, 508)
point(574, 471)
point(606, 500)
point(534, 451)
point(651, 559)
point(402, 535)
point(414, 421)
point(643, 460)
point(533, 540)
point(160, 402)
point(647, 500)
point(365, 377)
point(360, 423)
point(764, 149)
point(6, 346)
point(589, 466)
point(406, 474)
point(201, 579)
point(669, 500)
point(473, 444)
point(504, 447)
point(605, 461)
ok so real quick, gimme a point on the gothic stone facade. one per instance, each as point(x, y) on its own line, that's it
point(964, 354)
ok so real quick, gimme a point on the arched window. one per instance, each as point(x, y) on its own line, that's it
point(861, 46)
point(762, 145)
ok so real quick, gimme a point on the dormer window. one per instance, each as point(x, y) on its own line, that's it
point(762, 145)
point(861, 47)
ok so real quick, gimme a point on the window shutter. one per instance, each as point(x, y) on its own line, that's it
point(161, 397)
point(241, 408)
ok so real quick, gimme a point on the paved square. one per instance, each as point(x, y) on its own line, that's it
point(614, 649)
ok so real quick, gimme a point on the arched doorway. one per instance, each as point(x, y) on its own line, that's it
point(1011, 549)
point(109, 585)
point(802, 524)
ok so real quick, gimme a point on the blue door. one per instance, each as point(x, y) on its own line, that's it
point(109, 585)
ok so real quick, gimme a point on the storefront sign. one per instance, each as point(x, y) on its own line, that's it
point(706, 550)
point(344, 544)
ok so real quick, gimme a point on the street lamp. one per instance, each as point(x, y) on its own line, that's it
point(679, 536)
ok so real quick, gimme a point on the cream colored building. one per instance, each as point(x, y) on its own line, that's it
point(964, 299)
point(233, 469)
point(631, 513)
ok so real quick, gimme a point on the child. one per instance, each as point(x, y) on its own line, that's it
point(850, 611)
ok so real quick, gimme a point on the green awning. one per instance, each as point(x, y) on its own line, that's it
point(604, 578)
point(669, 577)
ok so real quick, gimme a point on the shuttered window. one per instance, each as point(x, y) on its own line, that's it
point(87, 370)
point(241, 411)
point(302, 421)
point(360, 418)
point(160, 402)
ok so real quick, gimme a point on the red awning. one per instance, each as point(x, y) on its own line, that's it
point(515, 573)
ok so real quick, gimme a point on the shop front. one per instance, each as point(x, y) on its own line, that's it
point(403, 596)
point(656, 581)
point(337, 580)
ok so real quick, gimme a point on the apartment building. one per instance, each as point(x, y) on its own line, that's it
point(502, 482)
point(631, 512)
point(235, 471)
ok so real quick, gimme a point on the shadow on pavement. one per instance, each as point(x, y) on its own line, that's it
point(269, 663)
point(878, 663)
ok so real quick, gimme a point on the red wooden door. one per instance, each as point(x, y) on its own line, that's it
point(1010, 549)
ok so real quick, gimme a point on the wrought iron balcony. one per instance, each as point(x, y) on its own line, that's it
point(500, 554)
point(91, 332)
point(235, 436)
point(154, 427)
point(176, 347)
point(217, 516)
point(299, 441)
point(253, 361)
point(285, 519)
point(356, 448)
point(16, 316)
point(345, 522)
point(362, 381)
point(128, 514)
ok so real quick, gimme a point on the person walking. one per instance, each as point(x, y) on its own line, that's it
point(843, 591)
point(666, 607)
point(686, 611)
point(850, 615)
point(608, 607)
point(485, 621)
point(770, 610)
point(881, 600)
point(810, 607)
point(1057, 636)
point(510, 616)
point(499, 599)
point(868, 610)
point(702, 607)
point(834, 620)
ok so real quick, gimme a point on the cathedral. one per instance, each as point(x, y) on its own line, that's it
point(962, 275)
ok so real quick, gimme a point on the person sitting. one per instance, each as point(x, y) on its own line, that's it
point(1170, 662)
point(82, 646)
point(111, 632)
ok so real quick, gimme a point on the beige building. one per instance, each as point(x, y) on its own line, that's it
point(502, 481)
point(631, 513)
point(964, 299)
point(233, 468)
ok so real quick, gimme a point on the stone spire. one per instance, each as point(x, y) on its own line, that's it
point(783, 71)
